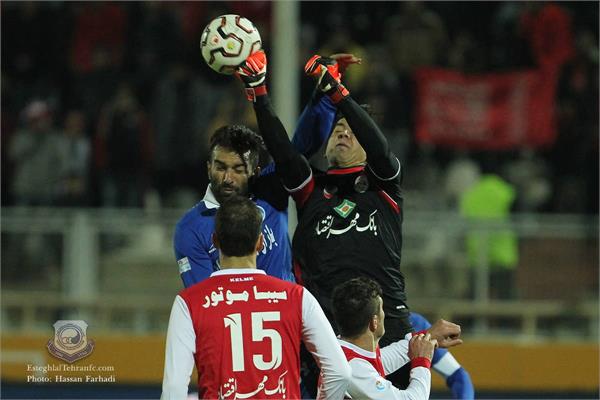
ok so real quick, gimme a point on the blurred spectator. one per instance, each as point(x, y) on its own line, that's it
point(124, 149)
point(98, 25)
point(24, 54)
point(77, 149)
point(377, 86)
point(183, 106)
point(340, 41)
point(37, 155)
point(32, 59)
point(509, 50)
point(88, 48)
point(461, 174)
point(91, 90)
point(259, 12)
point(529, 173)
point(466, 53)
point(416, 37)
point(157, 38)
point(490, 199)
point(8, 120)
point(575, 155)
point(547, 28)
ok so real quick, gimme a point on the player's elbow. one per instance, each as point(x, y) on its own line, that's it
point(345, 374)
point(337, 380)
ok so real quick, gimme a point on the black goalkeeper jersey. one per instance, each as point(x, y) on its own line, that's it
point(349, 221)
point(350, 225)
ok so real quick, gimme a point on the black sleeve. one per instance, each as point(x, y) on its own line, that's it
point(292, 168)
point(268, 187)
point(381, 160)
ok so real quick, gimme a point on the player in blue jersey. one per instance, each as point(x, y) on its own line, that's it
point(444, 363)
point(233, 169)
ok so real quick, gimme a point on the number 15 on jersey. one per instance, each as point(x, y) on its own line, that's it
point(259, 334)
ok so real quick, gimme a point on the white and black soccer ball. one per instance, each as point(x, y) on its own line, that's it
point(227, 41)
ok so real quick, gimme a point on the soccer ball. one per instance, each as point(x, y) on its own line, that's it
point(227, 41)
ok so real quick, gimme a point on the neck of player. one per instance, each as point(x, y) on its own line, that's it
point(366, 341)
point(227, 262)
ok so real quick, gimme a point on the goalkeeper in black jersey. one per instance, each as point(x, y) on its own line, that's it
point(350, 217)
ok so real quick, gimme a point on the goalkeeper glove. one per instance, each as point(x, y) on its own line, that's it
point(326, 70)
point(253, 73)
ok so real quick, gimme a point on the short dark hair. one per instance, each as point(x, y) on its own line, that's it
point(241, 140)
point(354, 304)
point(237, 226)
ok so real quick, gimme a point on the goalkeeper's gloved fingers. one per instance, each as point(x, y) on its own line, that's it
point(316, 65)
point(253, 73)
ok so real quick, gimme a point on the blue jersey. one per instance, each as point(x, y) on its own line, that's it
point(198, 258)
point(457, 378)
point(314, 126)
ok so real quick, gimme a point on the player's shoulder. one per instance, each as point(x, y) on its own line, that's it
point(280, 284)
point(197, 216)
point(361, 368)
point(265, 207)
point(197, 288)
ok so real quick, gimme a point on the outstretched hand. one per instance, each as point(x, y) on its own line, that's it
point(327, 72)
point(253, 73)
point(446, 333)
point(344, 60)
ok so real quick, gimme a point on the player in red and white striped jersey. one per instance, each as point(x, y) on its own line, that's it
point(243, 328)
point(358, 312)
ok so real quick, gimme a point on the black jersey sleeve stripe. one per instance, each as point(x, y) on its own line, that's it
point(303, 192)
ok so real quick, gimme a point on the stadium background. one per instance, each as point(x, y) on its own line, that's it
point(125, 107)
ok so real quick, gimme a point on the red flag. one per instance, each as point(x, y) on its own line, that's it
point(491, 111)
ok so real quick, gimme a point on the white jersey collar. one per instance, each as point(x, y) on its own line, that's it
point(238, 271)
point(357, 349)
point(209, 199)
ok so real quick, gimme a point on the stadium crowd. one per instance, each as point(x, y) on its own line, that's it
point(115, 103)
point(115, 90)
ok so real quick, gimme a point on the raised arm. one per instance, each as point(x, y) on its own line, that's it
point(316, 121)
point(380, 158)
point(290, 165)
point(314, 125)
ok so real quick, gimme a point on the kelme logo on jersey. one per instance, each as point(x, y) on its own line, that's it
point(70, 342)
point(345, 208)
